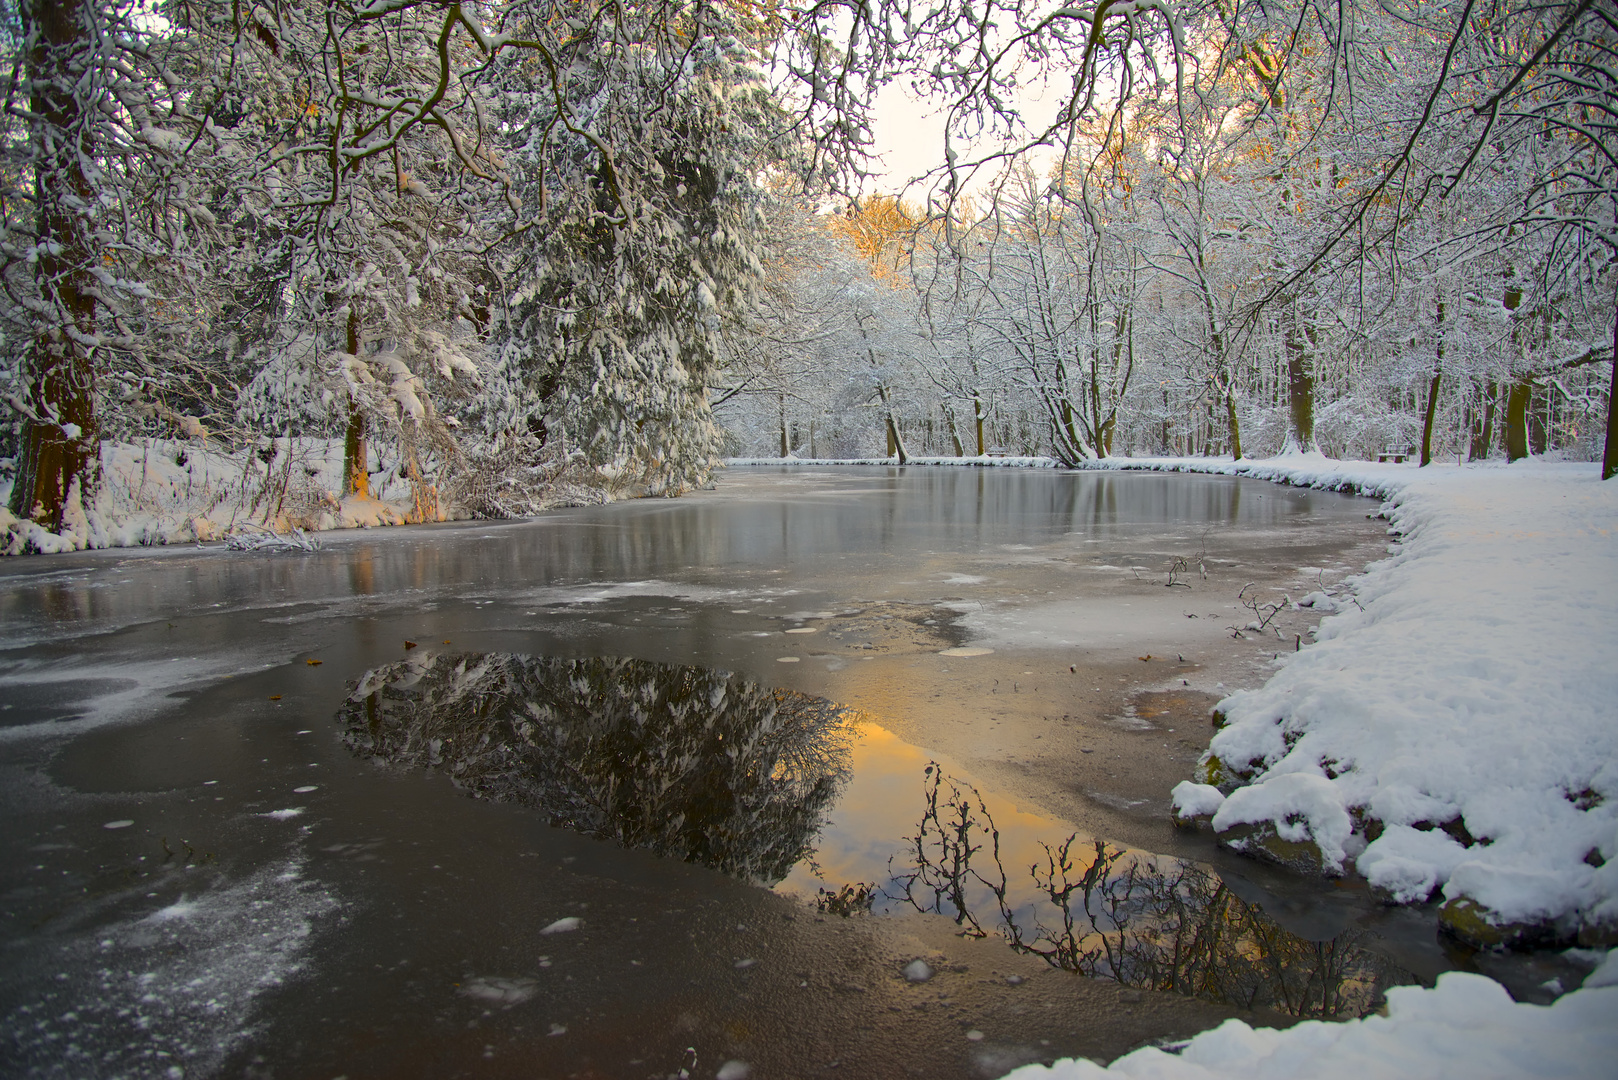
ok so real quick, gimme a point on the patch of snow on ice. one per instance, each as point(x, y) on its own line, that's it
point(499, 991)
point(173, 989)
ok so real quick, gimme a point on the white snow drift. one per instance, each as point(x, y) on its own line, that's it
point(1473, 685)
point(1467, 1028)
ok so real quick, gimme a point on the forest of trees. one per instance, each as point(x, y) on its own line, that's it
point(492, 248)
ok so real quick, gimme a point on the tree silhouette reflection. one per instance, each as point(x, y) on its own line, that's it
point(699, 764)
point(1147, 921)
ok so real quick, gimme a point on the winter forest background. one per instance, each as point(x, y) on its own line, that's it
point(297, 259)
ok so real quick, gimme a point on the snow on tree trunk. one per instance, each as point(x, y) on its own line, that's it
point(60, 438)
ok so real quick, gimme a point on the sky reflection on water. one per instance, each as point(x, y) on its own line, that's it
point(787, 789)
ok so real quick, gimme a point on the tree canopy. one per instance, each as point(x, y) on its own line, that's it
point(495, 251)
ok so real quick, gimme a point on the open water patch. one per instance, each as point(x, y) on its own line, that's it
point(797, 792)
point(702, 765)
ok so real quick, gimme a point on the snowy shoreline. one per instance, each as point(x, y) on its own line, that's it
point(1449, 733)
point(1467, 1028)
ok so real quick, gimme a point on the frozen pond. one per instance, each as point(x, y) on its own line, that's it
point(725, 744)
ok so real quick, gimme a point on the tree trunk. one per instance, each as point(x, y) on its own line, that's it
point(977, 416)
point(1609, 457)
point(1432, 394)
point(1432, 412)
point(781, 401)
point(356, 447)
point(61, 439)
point(1235, 427)
point(1483, 437)
point(1300, 387)
point(896, 442)
point(356, 455)
point(1517, 400)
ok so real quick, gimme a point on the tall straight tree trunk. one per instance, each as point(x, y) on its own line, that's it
point(356, 448)
point(1231, 420)
point(1483, 424)
point(1609, 457)
point(1300, 386)
point(1432, 394)
point(978, 418)
point(61, 435)
point(1517, 401)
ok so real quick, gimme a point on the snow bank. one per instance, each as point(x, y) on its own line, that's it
point(1455, 732)
point(168, 491)
point(1466, 1027)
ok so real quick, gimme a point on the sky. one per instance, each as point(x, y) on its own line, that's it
point(909, 136)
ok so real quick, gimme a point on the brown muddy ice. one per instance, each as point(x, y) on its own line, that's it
point(666, 788)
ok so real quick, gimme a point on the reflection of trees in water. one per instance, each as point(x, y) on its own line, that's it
point(1148, 921)
point(700, 764)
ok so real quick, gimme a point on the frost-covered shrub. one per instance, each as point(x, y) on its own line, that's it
point(1362, 427)
point(516, 476)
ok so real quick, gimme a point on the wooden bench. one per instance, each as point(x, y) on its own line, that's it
point(1396, 458)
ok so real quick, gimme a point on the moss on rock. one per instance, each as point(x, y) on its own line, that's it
point(1472, 923)
point(1262, 841)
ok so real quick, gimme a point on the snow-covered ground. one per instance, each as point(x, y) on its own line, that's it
point(1452, 732)
point(175, 491)
point(1466, 1028)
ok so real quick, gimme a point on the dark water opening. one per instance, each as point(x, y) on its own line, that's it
point(715, 769)
point(701, 765)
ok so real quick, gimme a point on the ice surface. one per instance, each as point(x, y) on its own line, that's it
point(173, 988)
